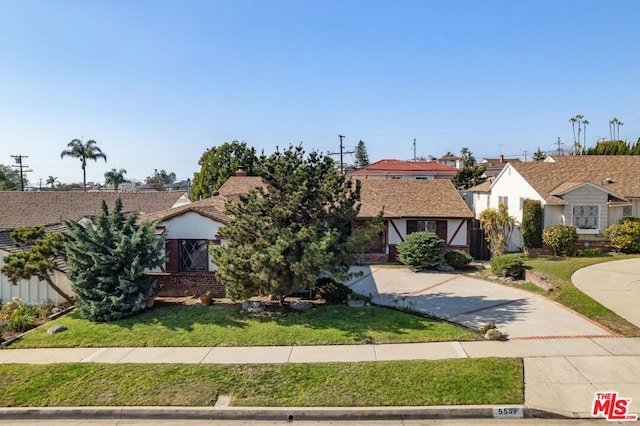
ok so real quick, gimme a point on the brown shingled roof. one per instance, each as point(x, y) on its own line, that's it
point(18, 209)
point(617, 174)
point(240, 185)
point(412, 198)
point(212, 207)
point(399, 167)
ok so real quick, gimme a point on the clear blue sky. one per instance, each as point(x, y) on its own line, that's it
point(155, 83)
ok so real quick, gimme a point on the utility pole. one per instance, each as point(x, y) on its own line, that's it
point(559, 143)
point(341, 153)
point(525, 155)
point(21, 166)
point(414, 151)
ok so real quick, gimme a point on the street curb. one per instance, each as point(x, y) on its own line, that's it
point(265, 413)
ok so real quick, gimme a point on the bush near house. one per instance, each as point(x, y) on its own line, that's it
point(561, 239)
point(532, 223)
point(508, 265)
point(625, 236)
point(421, 250)
point(458, 259)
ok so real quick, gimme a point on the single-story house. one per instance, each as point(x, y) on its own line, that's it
point(190, 231)
point(398, 169)
point(589, 192)
point(410, 206)
point(50, 209)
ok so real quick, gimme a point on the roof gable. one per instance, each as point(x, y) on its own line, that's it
point(411, 198)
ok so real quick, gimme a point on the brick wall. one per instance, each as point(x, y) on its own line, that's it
point(187, 284)
point(371, 258)
point(603, 245)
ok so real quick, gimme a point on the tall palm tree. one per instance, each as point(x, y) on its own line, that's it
point(51, 180)
point(573, 121)
point(618, 124)
point(578, 118)
point(584, 137)
point(84, 152)
point(115, 178)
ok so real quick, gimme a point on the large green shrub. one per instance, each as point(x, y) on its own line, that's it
point(561, 238)
point(624, 236)
point(332, 291)
point(507, 265)
point(532, 223)
point(458, 259)
point(421, 250)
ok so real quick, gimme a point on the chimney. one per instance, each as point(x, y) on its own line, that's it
point(241, 172)
point(502, 158)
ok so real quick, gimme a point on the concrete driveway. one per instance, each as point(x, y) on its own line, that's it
point(473, 303)
point(614, 284)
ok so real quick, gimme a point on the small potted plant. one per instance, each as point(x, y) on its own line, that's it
point(205, 298)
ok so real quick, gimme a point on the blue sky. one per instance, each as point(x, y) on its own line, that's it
point(155, 83)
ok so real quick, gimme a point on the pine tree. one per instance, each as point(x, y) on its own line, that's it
point(36, 261)
point(361, 156)
point(107, 259)
point(281, 237)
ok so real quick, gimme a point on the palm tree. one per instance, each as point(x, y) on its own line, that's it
point(618, 124)
point(573, 121)
point(115, 178)
point(584, 138)
point(84, 152)
point(51, 180)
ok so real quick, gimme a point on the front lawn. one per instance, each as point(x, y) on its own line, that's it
point(559, 270)
point(175, 324)
point(396, 383)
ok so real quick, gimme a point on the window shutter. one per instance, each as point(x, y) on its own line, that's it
point(441, 230)
point(172, 250)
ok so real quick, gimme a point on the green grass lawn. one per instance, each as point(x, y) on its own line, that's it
point(174, 324)
point(397, 383)
point(559, 270)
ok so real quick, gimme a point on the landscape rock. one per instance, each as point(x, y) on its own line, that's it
point(253, 306)
point(56, 329)
point(443, 267)
point(493, 334)
point(300, 306)
point(356, 303)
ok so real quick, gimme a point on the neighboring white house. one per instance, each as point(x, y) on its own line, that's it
point(51, 209)
point(590, 192)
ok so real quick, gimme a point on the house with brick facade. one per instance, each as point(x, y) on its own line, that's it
point(589, 192)
point(411, 206)
point(51, 209)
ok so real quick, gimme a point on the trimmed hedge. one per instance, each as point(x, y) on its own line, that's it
point(458, 259)
point(624, 236)
point(508, 265)
point(532, 223)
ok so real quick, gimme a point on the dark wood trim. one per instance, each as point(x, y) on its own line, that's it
point(396, 229)
point(453, 237)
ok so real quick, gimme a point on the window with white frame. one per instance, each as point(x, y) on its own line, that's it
point(586, 217)
point(503, 200)
point(626, 211)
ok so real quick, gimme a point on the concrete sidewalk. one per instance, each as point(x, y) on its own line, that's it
point(561, 375)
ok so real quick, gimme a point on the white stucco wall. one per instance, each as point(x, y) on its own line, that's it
point(33, 292)
point(191, 226)
point(452, 225)
point(511, 184)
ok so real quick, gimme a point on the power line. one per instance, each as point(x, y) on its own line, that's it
point(20, 165)
point(341, 153)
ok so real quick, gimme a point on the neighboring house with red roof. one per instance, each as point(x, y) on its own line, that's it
point(51, 209)
point(410, 206)
point(590, 192)
point(398, 169)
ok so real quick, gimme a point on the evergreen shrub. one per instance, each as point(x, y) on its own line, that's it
point(421, 250)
